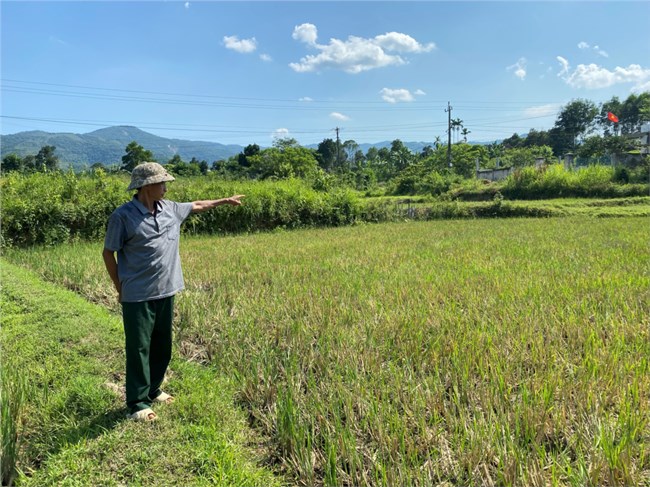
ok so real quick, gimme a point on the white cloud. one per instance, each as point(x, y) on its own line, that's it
point(641, 87)
point(266, 58)
point(355, 54)
point(419, 93)
point(280, 133)
point(565, 66)
point(395, 41)
point(592, 76)
point(600, 52)
point(187, 4)
point(584, 45)
point(306, 33)
point(339, 116)
point(519, 68)
point(243, 45)
point(306, 99)
point(396, 96)
point(542, 110)
point(56, 40)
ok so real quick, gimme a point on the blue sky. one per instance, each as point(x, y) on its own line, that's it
point(247, 72)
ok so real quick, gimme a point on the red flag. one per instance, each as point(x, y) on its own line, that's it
point(611, 117)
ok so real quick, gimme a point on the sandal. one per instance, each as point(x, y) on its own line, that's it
point(144, 415)
point(164, 398)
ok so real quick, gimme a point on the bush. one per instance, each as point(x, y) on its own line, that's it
point(555, 181)
point(48, 209)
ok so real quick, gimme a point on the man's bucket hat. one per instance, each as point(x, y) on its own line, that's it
point(148, 173)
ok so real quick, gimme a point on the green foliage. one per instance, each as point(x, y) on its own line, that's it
point(181, 168)
point(575, 120)
point(283, 162)
point(12, 162)
point(47, 209)
point(13, 397)
point(135, 154)
point(555, 181)
point(525, 156)
point(53, 208)
point(43, 161)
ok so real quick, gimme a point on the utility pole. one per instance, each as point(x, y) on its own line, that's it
point(448, 110)
point(338, 149)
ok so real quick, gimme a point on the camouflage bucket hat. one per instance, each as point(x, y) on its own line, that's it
point(148, 173)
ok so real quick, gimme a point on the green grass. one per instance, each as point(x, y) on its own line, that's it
point(474, 352)
point(72, 427)
point(427, 208)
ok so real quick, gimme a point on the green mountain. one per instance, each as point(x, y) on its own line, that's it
point(107, 146)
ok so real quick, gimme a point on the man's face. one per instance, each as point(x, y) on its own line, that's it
point(156, 191)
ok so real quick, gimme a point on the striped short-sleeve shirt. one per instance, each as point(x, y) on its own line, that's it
point(148, 259)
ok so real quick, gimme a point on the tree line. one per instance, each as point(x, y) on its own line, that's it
point(581, 127)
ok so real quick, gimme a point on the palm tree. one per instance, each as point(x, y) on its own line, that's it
point(456, 125)
point(465, 133)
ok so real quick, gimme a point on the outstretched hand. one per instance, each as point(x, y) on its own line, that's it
point(235, 200)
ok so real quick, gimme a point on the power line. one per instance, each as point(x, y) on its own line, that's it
point(471, 103)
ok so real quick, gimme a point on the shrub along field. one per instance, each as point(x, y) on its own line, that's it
point(467, 352)
point(54, 208)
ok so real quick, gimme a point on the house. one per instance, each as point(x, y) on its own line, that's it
point(643, 138)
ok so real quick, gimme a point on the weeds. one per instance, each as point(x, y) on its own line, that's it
point(13, 395)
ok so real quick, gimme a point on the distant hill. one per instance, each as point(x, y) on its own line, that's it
point(107, 146)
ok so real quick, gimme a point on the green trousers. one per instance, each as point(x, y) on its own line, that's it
point(148, 337)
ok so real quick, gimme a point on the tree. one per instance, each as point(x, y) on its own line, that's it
point(135, 154)
point(511, 142)
point(614, 106)
point(359, 159)
point(202, 165)
point(536, 138)
point(284, 143)
point(576, 120)
point(427, 151)
point(326, 154)
point(46, 160)
point(29, 163)
point(12, 162)
point(293, 161)
point(400, 156)
point(456, 125)
point(526, 156)
point(249, 151)
point(350, 147)
point(465, 133)
point(635, 111)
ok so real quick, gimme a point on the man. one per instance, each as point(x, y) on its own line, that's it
point(147, 275)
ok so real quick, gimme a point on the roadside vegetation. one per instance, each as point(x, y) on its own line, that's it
point(481, 352)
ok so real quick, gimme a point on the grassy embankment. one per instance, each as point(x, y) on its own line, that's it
point(63, 356)
point(480, 352)
point(429, 208)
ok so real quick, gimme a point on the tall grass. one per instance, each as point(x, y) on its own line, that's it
point(13, 395)
point(555, 181)
point(55, 208)
point(481, 352)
